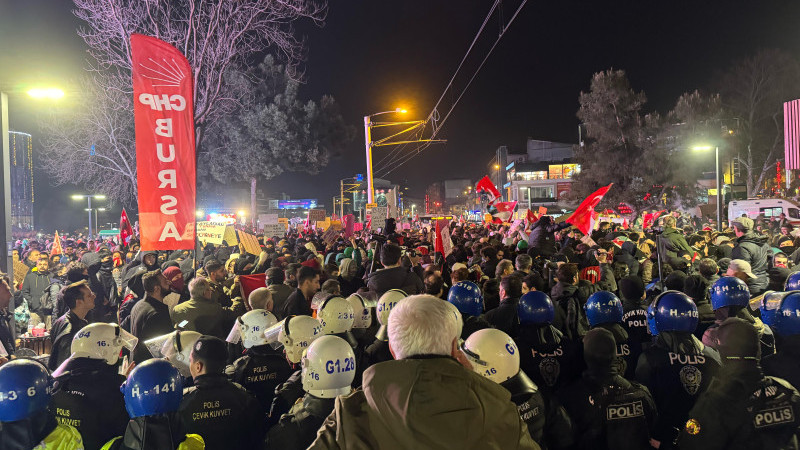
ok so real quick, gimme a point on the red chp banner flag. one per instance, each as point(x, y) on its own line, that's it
point(584, 215)
point(165, 152)
point(125, 229)
point(486, 185)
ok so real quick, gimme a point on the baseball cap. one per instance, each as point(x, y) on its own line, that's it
point(745, 223)
point(740, 265)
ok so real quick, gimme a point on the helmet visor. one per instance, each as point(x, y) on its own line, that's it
point(126, 340)
point(157, 345)
point(473, 357)
point(235, 335)
point(272, 335)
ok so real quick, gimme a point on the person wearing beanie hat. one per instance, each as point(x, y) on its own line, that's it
point(634, 308)
point(608, 411)
point(222, 412)
point(742, 409)
point(177, 286)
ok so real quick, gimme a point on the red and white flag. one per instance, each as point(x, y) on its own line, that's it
point(125, 229)
point(584, 216)
point(504, 212)
point(165, 144)
point(486, 185)
point(791, 134)
point(56, 248)
point(531, 217)
point(651, 219)
point(625, 224)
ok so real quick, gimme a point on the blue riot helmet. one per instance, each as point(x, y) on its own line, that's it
point(466, 297)
point(674, 311)
point(770, 302)
point(787, 317)
point(153, 387)
point(792, 282)
point(729, 291)
point(535, 308)
point(651, 320)
point(603, 307)
point(25, 388)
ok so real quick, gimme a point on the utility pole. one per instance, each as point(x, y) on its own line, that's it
point(341, 198)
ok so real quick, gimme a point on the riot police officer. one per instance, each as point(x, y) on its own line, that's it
point(25, 421)
point(678, 367)
point(730, 297)
point(607, 411)
point(378, 351)
point(328, 371)
point(494, 355)
point(262, 368)
point(604, 310)
point(90, 377)
point(362, 321)
point(296, 333)
point(546, 355)
point(467, 298)
point(786, 362)
point(175, 347)
point(222, 412)
point(153, 392)
point(742, 409)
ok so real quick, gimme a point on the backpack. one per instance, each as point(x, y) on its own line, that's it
point(49, 297)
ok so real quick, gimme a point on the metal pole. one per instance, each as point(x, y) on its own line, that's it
point(341, 199)
point(719, 189)
point(6, 264)
point(368, 145)
point(96, 227)
point(89, 198)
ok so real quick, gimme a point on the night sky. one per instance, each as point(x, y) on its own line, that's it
point(377, 55)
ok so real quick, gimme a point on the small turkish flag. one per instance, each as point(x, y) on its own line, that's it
point(584, 215)
point(504, 211)
point(125, 229)
point(486, 185)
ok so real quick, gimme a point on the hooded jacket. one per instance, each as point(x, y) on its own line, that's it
point(670, 242)
point(429, 402)
point(755, 250)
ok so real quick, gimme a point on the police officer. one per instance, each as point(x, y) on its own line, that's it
point(362, 323)
point(90, 377)
point(467, 298)
point(153, 392)
point(607, 411)
point(730, 297)
point(786, 362)
point(25, 421)
point(296, 333)
point(378, 351)
point(337, 316)
point(604, 310)
point(678, 368)
point(546, 355)
point(175, 347)
point(742, 409)
point(494, 355)
point(634, 308)
point(222, 412)
point(262, 368)
point(328, 371)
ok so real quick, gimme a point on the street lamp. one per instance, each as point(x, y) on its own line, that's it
point(716, 180)
point(368, 144)
point(6, 263)
point(89, 197)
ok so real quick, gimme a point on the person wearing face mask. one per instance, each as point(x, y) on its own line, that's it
point(177, 286)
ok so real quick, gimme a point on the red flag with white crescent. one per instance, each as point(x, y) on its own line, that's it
point(584, 216)
point(165, 144)
point(486, 185)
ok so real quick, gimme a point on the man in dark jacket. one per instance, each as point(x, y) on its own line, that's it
point(220, 411)
point(504, 317)
point(150, 316)
point(79, 298)
point(754, 249)
point(394, 275)
point(280, 291)
point(203, 314)
point(6, 334)
point(570, 317)
point(299, 302)
point(36, 282)
point(671, 242)
point(542, 235)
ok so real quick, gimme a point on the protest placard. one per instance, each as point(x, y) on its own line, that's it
point(330, 235)
point(274, 229)
point(211, 232)
point(266, 219)
point(316, 215)
point(250, 243)
point(379, 215)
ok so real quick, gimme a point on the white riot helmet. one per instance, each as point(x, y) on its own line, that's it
point(335, 315)
point(362, 314)
point(385, 304)
point(296, 333)
point(249, 328)
point(493, 354)
point(175, 347)
point(329, 367)
point(102, 341)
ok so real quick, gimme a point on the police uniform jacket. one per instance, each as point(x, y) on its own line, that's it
point(297, 429)
point(89, 399)
point(609, 412)
point(786, 363)
point(260, 371)
point(634, 319)
point(286, 395)
point(377, 352)
point(743, 410)
point(677, 369)
point(222, 412)
point(40, 431)
point(628, 350)
point(548, 357)
point(156, 432)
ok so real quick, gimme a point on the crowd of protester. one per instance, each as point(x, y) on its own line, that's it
point(528, 336)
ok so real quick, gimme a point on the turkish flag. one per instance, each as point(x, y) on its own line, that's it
point(163, 109)
point(56, 249)
point(486, 185)
point(531, 216)
point(584, 215)
point(250, 283)
point(504, 212)
point(125, 229)
point(650, 219)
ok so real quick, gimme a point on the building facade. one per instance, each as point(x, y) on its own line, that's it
point(540, 177)
point(22, 195)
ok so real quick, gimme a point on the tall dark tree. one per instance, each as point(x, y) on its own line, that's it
point(640, 153)
point(275, 132)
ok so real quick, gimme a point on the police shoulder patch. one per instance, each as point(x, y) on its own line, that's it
point(692, 427)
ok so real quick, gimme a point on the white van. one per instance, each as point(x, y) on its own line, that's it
point(766, 207)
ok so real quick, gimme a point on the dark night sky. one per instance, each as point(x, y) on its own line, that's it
point(376, 55)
